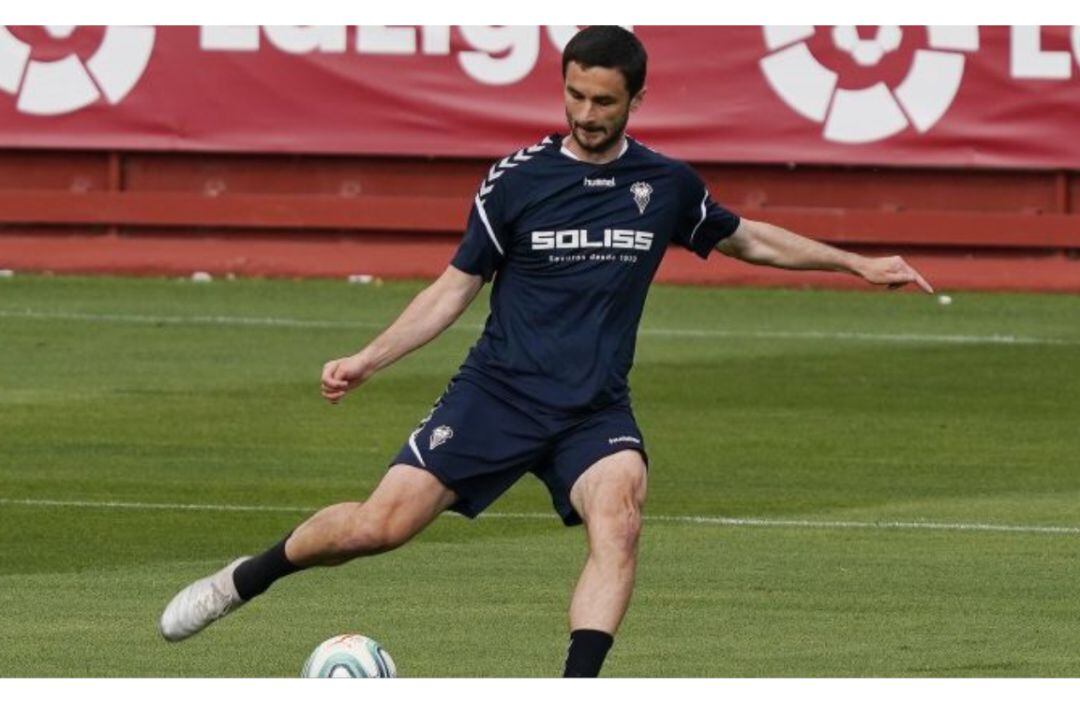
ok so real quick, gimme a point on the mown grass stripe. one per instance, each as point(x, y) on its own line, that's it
point(686, 520)
point(270, 321)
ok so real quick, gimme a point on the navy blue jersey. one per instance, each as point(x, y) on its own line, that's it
point(573, 247)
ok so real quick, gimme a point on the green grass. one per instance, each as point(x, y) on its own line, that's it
point(776, 405)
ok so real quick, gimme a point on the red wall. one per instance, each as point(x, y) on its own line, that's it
point(156, 213)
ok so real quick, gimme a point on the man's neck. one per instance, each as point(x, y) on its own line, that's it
point(571, 148)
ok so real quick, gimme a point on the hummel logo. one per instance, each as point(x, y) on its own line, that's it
point(600, 183)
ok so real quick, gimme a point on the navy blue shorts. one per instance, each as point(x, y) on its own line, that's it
point(478, 445)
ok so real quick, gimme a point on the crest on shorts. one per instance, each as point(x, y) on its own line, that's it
point(642, 193)
point(439, 436)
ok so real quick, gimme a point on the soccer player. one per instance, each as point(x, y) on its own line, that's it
point(572, 230)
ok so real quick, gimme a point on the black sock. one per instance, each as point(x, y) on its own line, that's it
point(254, 576)
point(588, 648)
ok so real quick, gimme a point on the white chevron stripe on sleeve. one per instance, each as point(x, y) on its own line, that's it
point(487, 224)
point(703, 213)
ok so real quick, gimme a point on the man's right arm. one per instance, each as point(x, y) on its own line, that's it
point(429, 313)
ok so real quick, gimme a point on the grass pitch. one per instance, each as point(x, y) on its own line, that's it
point(900, 479)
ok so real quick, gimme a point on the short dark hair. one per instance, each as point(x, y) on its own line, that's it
point(611, 47)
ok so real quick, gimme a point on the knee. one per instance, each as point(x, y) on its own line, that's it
point(615, 529)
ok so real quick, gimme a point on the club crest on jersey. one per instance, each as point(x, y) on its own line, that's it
point(440, 436)
point(642, 193)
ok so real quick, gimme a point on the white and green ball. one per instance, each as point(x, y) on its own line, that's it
point(349, 656)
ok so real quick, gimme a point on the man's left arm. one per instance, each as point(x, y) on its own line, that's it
point(766, 244)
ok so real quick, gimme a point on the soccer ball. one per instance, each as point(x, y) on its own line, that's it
point(349, 656)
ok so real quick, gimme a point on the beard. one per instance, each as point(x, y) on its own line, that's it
point(601, 142)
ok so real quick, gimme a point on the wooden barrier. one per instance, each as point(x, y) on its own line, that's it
point(375, 204)
point(446, 217)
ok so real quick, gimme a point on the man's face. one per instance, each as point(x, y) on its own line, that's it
point(598, 106)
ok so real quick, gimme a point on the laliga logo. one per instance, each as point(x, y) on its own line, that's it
point(48, 88)
point(856, 116)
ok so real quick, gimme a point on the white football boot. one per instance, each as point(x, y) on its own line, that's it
point(199, 604)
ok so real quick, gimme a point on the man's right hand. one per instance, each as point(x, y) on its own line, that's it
point(341, 375)
point(429, 313)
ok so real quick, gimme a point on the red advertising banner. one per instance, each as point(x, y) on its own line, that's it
point(912, 95)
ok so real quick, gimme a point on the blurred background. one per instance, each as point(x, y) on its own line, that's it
point(344, 150)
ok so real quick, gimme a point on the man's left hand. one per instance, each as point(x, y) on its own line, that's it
point(892, 271)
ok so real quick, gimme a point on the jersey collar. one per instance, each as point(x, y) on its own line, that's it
point(566, 152)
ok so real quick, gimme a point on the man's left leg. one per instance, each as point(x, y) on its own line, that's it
point(609, 497)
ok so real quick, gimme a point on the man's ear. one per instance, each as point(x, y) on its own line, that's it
point(638, 99)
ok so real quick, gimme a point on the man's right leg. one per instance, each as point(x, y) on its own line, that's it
point(403, 504)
